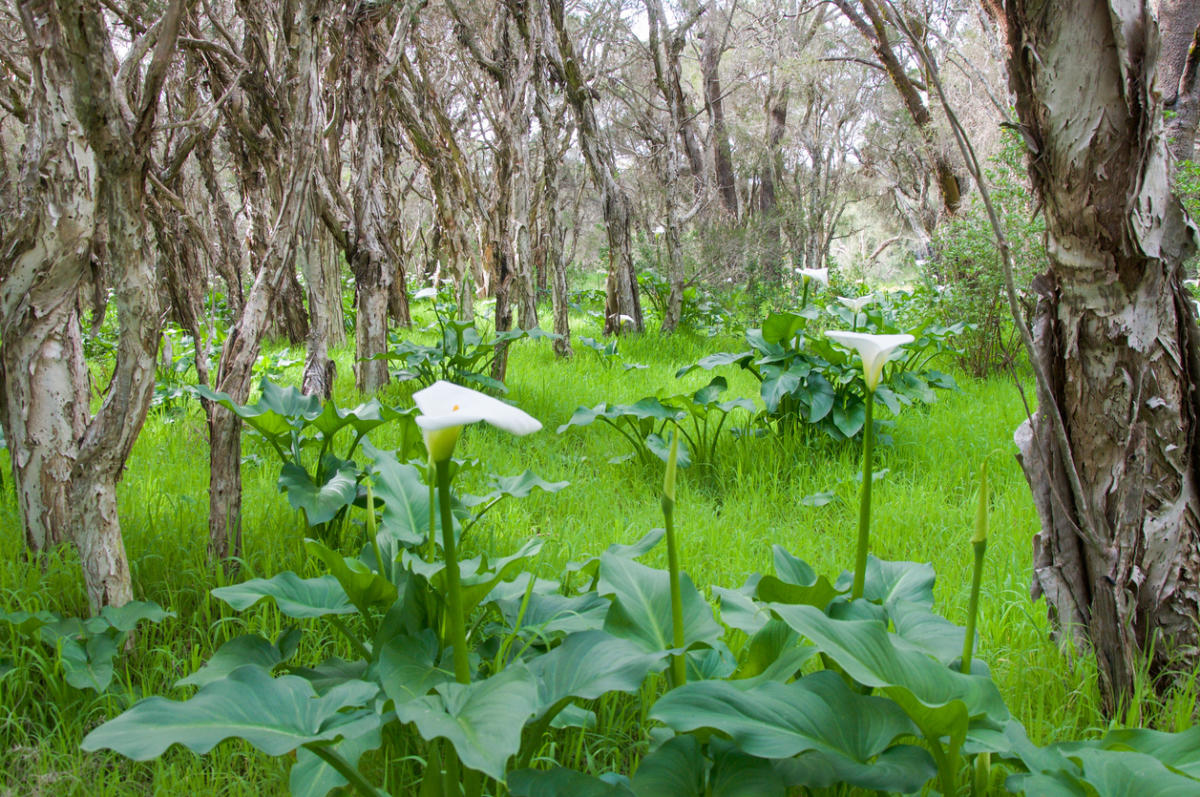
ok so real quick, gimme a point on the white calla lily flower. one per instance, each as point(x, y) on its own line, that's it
point(820, 275)
point(857, 304)
point(447, 407)
point(874, 350)
point(425, 293)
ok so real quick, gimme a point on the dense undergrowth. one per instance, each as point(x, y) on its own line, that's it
point(756, 492)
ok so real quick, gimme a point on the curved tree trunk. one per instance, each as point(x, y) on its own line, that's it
point(1118, 556)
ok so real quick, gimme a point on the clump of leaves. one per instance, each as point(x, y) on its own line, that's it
point(85, 647)
point(700, 417)
point(462, 354)
point(320, 477)
point(807, 381)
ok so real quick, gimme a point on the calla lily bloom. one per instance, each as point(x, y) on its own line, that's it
point(425, 293)
point(447, 407)
point(856, 305)
point(874, 350)
point(820, 275)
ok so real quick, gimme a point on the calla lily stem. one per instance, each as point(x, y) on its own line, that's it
point(864, 511)
point(678, 661)
point(979, 543)
point(454, 605)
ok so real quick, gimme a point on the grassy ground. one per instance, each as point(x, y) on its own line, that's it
point(728, 517)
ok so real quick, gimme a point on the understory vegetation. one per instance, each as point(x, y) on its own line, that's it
point(751, 494)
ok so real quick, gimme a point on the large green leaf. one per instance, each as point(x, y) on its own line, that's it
point(482, 720)
point(478, 577)
point(275, 715)
point(736, 774)
point(781, 327)
point(310, 776)
point(248, 649)
point(1108, 773)
point(320, 502)
point(590, 664)
point(558, 781)
point(408, 667)
point(126, 617)
point(794, 582)
point(875, 658)
point(296, 597)
point(1179, 751)
point(774, 653)
point(590, 567)
point(641, 610)
point(546, 616)
point(676, 769)
point(362, 419)
point(362, 585)
point(88, 663)
point(740, 358)
point(920, 625)
point(277, 414)
point(817, 713)
point(738, 609)
point(887, 582)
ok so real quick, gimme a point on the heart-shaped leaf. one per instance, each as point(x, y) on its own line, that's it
point(275, 715)
point(296, 597)
point(482, 720)
point(641, 610)
point(320, 502)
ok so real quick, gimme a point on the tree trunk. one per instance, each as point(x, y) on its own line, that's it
point(714, 103)
point(1118, 556)
point(622, 305)
point(325, 311)
point(300, 90)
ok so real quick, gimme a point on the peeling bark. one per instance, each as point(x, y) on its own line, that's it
point(87, 156)
point(622, 304)
point(1118, 561)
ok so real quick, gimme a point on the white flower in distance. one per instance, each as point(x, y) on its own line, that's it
point(446, 408)
point(858, 304)
point(874, 350)
point(820, 275)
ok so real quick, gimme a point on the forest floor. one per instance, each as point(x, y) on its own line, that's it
point(728, 516)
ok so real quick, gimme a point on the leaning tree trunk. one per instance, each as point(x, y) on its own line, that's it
point(622, 304)
point(1118, 556)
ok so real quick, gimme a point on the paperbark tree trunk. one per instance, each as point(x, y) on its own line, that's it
point(622, 304)
point(714, 104)
point(87, 156)
point(1179, 66)
point(297, 102)
point(1118, 556)
point(873, 27)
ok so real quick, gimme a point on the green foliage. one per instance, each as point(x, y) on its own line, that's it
point(462, 354)
point(807, 380)
point(726, 528)
point(321, 480)
point(749, 717)
point(965, 274)
point(700, 417)
point(85, 647)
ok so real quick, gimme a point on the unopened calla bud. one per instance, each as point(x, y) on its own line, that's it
point(981, 513)
point(669, 478)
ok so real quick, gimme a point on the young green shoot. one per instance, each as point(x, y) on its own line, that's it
point(979, 543)
point(678, 660)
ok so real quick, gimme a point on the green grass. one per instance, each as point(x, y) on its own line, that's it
point(727, 518)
